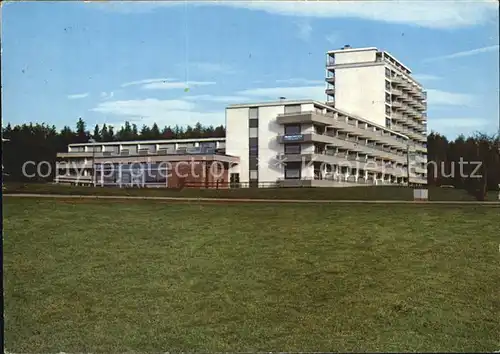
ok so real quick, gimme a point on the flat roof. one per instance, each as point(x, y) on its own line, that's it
point(368, 49)
point(161, 141)
point(270, 103)
point(397, 61)
point(350, 49)
point(317, 103)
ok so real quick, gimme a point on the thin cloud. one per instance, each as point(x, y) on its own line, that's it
point(149, 111)
point(426, 77)
point(212, 67)
point(219, 99)
point(467, 53)
point(333, 38)
point(146, 81)
point(453, 127)
point(304, 30)
point(107, 95)
point(78, 96)
point(175, 85)
point(444, 14)
point(438, 97)
point(298, 92)
point(299, 81)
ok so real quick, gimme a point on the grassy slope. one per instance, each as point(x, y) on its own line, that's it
point(356, 193)
point(102, 276)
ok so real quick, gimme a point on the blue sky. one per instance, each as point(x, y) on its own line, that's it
point(112, 62)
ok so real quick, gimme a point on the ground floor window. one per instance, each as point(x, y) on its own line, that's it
point(293, 170)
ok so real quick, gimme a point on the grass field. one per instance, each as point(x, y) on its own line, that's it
point(348, 193)
point(101, 276)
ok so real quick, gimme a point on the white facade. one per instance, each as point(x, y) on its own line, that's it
point(373, 84)
point(79, 163)
point(309, 143)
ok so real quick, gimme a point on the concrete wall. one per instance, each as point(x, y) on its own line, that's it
point(237, 134)
point(269, 146)
point(361, 91)
point(349, 57)
point(199, 175)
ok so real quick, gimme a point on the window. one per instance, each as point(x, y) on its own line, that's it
point(387, 110)
point(253, 113)
point(114, 149)
point(253, 123)
point(253, 132)
point(331, 59)
point(292, 148)
point(254, 174)
point(387, 122)
point(387, 72)
point(253, 142)
point(319, 129)
point(148, 147)
point(387, 98)
point(253, 163)
point(293, 108)
point(387, 85)
point(234, 178)
point(292, 170)
point(292, 129)
point(208, 145)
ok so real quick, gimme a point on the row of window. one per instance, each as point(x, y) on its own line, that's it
point(253, 145)
point(151, 147)
point(293, 170)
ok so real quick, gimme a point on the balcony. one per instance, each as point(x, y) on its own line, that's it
point(420, 159)
point(330, 91)
point(396, 92)
point(410, 122)
point(398, 117)
point(74, 154)
point(70, 164)
point(406, 98)
point(341, 124)
point(398, 80)
point(332, 140)
point(397, 104)
point(342, 161)
point(74, 179)
point(421, 148)
point(413, 102)
point(330, 62)
point(330, 80)
point(420, 105)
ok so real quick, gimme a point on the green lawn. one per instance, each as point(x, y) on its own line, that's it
point(348, 193)
point(102, 276)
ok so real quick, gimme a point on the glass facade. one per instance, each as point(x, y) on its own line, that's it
point(132, 174)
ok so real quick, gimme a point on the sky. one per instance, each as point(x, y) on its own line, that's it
point(184, 62)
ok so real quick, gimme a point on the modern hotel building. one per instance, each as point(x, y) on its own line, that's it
point(371, 130)
point(373, 84)
point(309, 143)
point(152, 163)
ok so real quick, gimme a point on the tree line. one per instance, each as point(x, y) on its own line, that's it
point(450, 162)
point(41, 142)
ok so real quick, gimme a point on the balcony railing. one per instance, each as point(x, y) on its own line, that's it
point(396, 91)
point(160, 152)
point(343, 124)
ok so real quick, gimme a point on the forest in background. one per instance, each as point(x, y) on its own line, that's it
point(41, 142)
